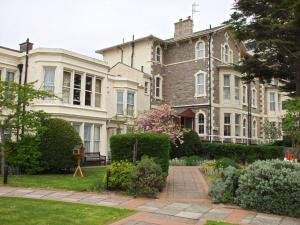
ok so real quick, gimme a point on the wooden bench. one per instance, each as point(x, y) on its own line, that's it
point(94, 157)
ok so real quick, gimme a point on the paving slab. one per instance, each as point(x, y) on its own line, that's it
point(198, 208)
point(290, 221)
point(92, 199)
point(262, 219)
point(217, 214)
point(37, 194)
point(189, 215)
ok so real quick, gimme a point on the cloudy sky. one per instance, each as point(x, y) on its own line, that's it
point(87, 25)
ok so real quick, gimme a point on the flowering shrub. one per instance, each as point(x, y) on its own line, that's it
point(120, 175)
point(162, 120)
point(271, 186)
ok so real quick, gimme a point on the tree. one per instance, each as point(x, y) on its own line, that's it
point(13, 97)
point(273, 27)
point(272, 132)
point(291, 124)
point(162, 120)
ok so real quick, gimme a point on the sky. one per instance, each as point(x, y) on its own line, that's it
point(85, 26)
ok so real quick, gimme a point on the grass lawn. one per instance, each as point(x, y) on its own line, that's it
point(20, 211)
point(92, 180)
point(210, 222)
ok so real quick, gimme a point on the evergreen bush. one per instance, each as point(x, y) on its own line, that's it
point(57, 144)
point(271, 186)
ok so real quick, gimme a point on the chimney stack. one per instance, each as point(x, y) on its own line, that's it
point(23, 46)
point(183, 28)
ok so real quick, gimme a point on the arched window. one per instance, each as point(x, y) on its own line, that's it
point(245, 127)
point(226, 54)
point(158, 54)
point(254, 133)
point(200, 50)
point(201, 123)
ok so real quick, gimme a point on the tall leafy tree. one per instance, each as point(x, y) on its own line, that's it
point(12, 98)
point(274, 28)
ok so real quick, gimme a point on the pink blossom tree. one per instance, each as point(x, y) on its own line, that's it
point(162, 120)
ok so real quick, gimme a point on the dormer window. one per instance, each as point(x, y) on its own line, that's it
point(200, 50)
point(158, 54)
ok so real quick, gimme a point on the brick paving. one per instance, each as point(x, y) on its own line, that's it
point(184, 201)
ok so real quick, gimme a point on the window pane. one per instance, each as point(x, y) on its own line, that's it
point(96, 138)
point(237, 88)
point(201, 118)
point(66, 87)
point(97, 100)
point(157, 85)
point(98, 85)
point(87, 137)
point(77, 89)
point(227, 80)
point(76, 127)
point(49, 79)
point(120, 102)
point(10, 76)
point(237, 124)
point(88, 90)
point(130, 103)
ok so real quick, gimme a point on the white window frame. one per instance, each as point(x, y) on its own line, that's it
point(13, 75)
point(237, 89)
point(227, 124)
point(133, 105)
point(158, 55)
point(120, 102)
point(254, 129)
point(253, 98)
point(86, 141)
point(270, 102)
point(97, 140)
point(158, 87)
point(88, 91)
point(198, 50)
point(97, 93)
point(65, 88)
point(51, 86)
point(77, 88)
point(237, 125)
point(245, 94)
point(197, 94)
point(201, 124)
point(225, 99)
point(245, 128)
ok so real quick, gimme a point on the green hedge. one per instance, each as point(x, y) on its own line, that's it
point(271, 186)
point(242, 153)
point(152, 144)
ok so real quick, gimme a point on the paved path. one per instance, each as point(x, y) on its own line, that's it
point(193, 207)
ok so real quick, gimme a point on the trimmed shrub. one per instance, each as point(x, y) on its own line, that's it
point(57, 143)
point(155, 145)
point(147, 178)
point(191, 145)
point(242, 153)
point(25, 155)
point(226, 162)
point(224, 190)
point(120, 175)
point(271, 186)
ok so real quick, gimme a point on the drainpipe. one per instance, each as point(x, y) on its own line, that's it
point(210, 86)
point(249, 112)
point(20, 67)
point(132, 50)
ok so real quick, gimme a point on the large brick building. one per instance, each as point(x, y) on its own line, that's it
point(194, 73)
